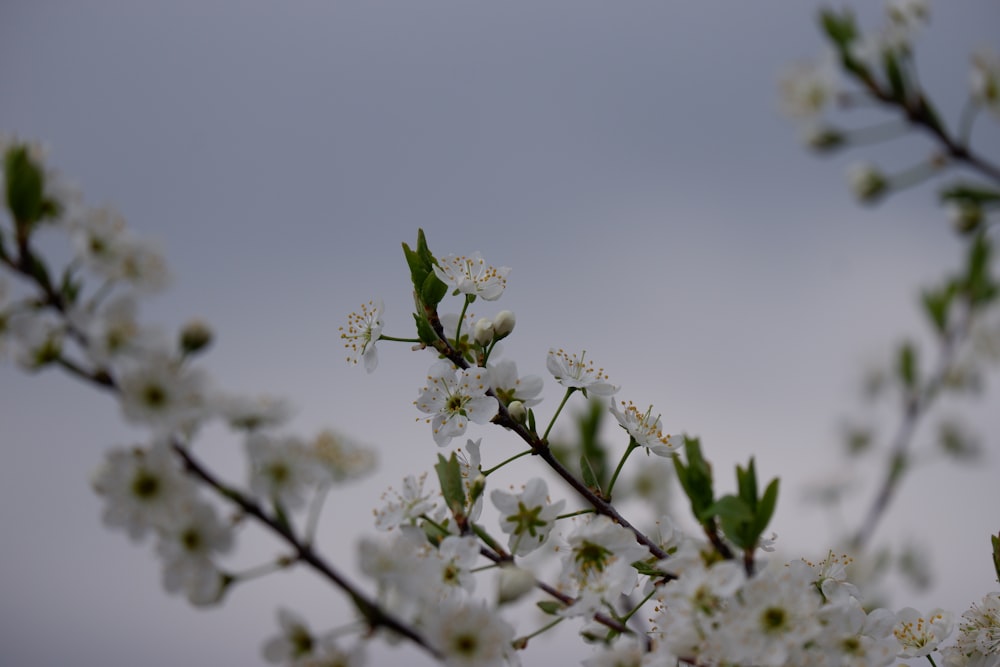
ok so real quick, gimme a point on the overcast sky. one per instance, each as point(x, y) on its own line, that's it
point(627, 159)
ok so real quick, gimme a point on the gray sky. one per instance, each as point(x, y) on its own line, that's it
point(627, 160)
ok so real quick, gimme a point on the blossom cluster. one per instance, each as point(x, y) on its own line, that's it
point(643, 598)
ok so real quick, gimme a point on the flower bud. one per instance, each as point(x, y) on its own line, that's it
point(513, 584)
point(867, 183)
point(822, 139)
point(195, 336)
point(483, 333)
point(517, 411)
point(476, 488)
point(965, 218)
point(503, 324)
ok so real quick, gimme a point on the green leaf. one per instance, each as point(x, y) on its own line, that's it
point(765, 508)
point(937, 304)
point(450, 475)
point(425, 332)
point(695, 477)
point(433, 290)
point(995, 540)
point(550, 607)
point(642, 567)
point(971, 193)
point(420, 261)
point(906, 365)
point(840, 28)
point(589, 478)
point(728, 507)
point(894, 74)
point(979, 285)
point(746, 483)
point(25, 186)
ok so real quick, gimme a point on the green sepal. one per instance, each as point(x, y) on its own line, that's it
point(550, 607)
point(531, 421)
point(906, 365)
point(449, 474)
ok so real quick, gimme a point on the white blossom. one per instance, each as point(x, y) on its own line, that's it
point(646, 430)
point(455, 397)
point(280, 469)
point(527, 517)
point(472, 276)
point(142, 488)
point(364, 328)
point(575, 372)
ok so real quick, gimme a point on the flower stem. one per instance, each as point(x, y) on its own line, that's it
point(488, 472)
point(632, 446)
point(399, 340)
point(461, 318)
point(544, 628)
point(636, 608)
point(569, 392)
point(568, 515)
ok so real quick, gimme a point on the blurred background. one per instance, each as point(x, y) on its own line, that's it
point(629, 161)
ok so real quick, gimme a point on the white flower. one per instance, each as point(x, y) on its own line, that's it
point(407, 506)
point(528, 517)
point(978, 642)
point(469, 463)
point(985, 79)
point(142, 488)
point(326, 653)
point(249, 413)
point(341, 458)
point(509, 387)
point(162, 393)
point(470, 635)
point(807, 89)
point(906, 17)
point(772, 618)
point(627, 652)
point(37, 338)
point(867, 183)
point(647, 430)
point(115, 330)
point(575, 372)
point(280, 469)
point(294, 642)
point(187, 545)
point(455, 557)
point(599, 561)
point(104, 244)
point(919, 635)
point(453, 401)
point(472, 276)
point(363, 330)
